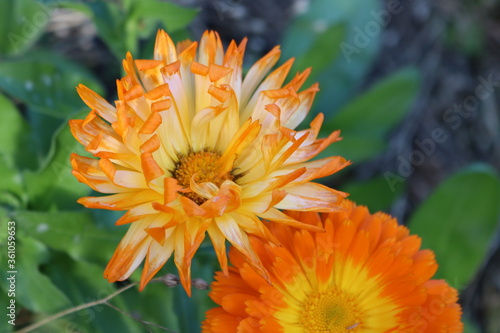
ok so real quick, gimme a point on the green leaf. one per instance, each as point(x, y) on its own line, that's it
point(13, 150)
point(171, 307)
point(43, 128)
point(34, 290)
point(469, 327)
point(12, 192)
point(202, 267)
point(157, 304)
point(21, 24)
point(74, 233)
point(53, 185)
point(121, 26)
point(375, 193)
point(367, 120)
point(458, 222)
point(83, 282)
point(341, 78)
point(46, 83)
point(109, 19)
point(148, 12)
point(321, 54)
point(13, 130)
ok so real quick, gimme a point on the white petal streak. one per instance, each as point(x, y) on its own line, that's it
point(130, 179)
point(273, 81)
point(233, 233)
point(202, 134)
point(159, 254)
point(138, 257)
point(296, 114)
point(257, 72)
point(179, 98)
point(311, 167)
point(140, 107)
point(134, 246)
point(171, 134)
point(309, 197)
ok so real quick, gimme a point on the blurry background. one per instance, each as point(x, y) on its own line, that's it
point(413, 85)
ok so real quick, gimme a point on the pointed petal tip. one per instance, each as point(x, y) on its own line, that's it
point(185, 278)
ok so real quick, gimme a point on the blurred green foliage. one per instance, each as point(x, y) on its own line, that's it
point(460, 217)
point(366, 121)
point(63, 248)
point(121, 25)
point(17, 33)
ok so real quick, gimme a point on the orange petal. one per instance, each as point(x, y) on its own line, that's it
point(191, 208)
point(151, 124)
point(150, 168)
point(171, 187)
point(96, 102)
point(158, 255)
point(217, 72)
point(164, 48)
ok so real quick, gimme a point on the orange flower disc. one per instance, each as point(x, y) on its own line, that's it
point(365, 274)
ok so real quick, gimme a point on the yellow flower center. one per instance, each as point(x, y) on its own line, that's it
point(204, 166)
point(332, 311)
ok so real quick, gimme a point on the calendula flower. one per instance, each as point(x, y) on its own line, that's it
point(365, 274)
point(192, 146)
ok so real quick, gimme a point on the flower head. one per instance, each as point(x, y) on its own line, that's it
point(365, 274)
point(191, 147)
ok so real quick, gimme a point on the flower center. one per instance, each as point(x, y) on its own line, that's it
point(204, 165)
point(333, 311)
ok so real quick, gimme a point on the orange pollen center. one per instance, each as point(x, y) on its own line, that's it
point(332, 311)
point(204, 167)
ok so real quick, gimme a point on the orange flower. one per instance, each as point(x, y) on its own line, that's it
point(191, 147)
point(365, 274)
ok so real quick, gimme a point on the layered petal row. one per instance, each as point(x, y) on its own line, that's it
point(192, 147)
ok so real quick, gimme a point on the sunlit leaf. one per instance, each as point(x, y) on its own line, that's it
point(12, 191)
point(458, 222)
point(366, 121)
point(173, 17)
point(46, 83)
point(13, 131)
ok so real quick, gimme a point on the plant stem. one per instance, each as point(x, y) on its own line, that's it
point(66, 312)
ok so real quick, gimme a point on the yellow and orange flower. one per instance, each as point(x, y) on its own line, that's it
point(365, 274)
point(191, 147)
